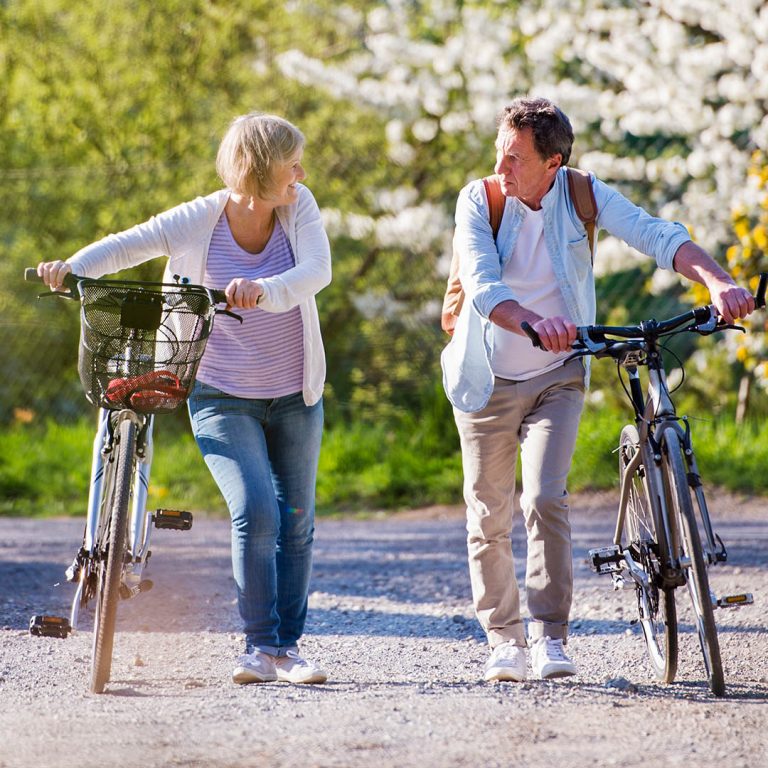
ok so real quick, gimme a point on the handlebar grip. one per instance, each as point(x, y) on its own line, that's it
point(760, 295)
point(31, 276)
point(531, 334)
point(219, 297)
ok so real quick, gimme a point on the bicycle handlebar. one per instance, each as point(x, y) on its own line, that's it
point(761, 286)
point(704, 320)
point(71, 281)
point(31, 276)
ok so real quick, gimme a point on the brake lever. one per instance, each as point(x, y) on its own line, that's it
point(69, 294)
point(705, 329)
point(593, 347)
point(229, 313)
point(715, 326)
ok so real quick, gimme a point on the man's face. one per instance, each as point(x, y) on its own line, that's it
point(523, 172)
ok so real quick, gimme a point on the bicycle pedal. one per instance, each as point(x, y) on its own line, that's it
point(733, 601)
point(49, 626)
point(126, 592)
point(173, 519)
point(606, 559)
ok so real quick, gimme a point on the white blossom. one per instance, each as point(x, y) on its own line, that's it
point(394, 200)
point(418, 227)
point(686, 80)
point(377, 305)
point(614, 255)
point(425, 129)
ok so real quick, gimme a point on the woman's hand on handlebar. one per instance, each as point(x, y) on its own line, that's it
point(243, 294)
point(53, 273)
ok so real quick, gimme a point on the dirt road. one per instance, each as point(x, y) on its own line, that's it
point(391, 619)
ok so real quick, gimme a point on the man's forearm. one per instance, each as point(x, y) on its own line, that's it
point(731, 301)
point(509, 315)
point(696, 264)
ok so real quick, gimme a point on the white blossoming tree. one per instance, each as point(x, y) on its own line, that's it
point(667, 97)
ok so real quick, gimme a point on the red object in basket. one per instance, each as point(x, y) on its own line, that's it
point(147, 392)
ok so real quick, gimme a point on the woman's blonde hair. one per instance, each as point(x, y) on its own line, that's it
point(252, 148)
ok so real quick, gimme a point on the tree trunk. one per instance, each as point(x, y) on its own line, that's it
point(745, 387)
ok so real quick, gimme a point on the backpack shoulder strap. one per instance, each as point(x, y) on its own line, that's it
point(583, 198)
point(496, 202)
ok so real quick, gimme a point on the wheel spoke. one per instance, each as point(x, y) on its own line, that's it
point(656, 607)
point(692, 554)
point(110, 552)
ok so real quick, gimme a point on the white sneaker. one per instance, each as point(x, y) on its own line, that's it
point(507, 662)
point(292, 668)
point(548, 659)
point(256, 667)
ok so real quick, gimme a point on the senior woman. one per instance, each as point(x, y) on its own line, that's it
point(256, 408)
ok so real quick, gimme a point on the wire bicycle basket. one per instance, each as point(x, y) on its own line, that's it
point(140, 345)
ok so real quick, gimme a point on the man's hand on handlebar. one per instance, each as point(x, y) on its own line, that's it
point(53, 273)
point(731, 301)
point(556, 334)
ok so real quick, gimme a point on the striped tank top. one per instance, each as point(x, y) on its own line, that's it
point(264, 356)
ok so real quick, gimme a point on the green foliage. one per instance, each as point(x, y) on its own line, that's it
point(111, 112)
point(365, 467)
point(44, 472)
point(733, 455)
point(594, 464)
point(409, 463)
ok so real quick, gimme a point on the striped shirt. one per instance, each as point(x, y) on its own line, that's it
point(264, 356)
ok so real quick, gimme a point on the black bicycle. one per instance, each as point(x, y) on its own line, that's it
point(664, 537)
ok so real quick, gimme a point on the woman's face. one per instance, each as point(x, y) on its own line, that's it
point(286, 177)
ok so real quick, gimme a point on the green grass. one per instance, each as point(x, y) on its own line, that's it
point(374, 467)
point(44, 469)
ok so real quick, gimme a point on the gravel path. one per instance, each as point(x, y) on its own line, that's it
point(391, 620)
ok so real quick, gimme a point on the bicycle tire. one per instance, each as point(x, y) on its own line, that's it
point(690, 549)
point(655, 605)
point(111, 563)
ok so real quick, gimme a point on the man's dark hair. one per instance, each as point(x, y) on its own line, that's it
point(551, 128)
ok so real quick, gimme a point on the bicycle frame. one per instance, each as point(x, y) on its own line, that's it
point(669, 544)
point(140, 345)
point(655, 414)
point(139, 529)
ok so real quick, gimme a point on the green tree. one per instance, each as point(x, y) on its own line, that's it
point(112, 112)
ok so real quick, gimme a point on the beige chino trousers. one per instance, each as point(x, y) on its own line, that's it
point(540, 418)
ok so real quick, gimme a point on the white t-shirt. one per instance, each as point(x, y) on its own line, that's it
point(530, 276)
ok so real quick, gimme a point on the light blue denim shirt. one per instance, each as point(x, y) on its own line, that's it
point(467, 375)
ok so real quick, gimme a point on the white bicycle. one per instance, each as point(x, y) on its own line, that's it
point(140, 347)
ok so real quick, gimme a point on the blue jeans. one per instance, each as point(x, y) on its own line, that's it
point(263, 455)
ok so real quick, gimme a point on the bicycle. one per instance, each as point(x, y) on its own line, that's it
point(660, 542)
point(140, 347)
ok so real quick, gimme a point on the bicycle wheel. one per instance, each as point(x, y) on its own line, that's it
point(656, 606)
point(112, 553)
point(692, 554)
